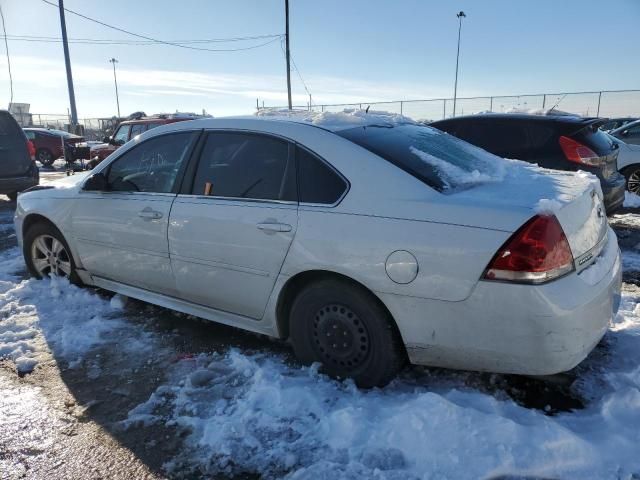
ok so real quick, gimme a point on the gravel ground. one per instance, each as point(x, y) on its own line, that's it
point(62, 423)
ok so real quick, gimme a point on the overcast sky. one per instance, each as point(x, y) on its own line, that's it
point(347, 51)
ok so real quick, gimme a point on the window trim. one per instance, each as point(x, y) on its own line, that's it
point(344, 179)
point(196, 135)
point(191, 171)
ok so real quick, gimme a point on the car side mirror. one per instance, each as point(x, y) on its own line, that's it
point(96, 183)
point(106, 139)
point(624, 133)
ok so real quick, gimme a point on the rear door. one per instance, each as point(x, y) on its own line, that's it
point(121, 233)
point(14, 156)
point(231, 228)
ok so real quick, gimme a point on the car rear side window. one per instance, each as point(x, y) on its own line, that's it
point(317, 181)
point(137, 129)
point(438, 159)
point(151, 166)
point(244, 165)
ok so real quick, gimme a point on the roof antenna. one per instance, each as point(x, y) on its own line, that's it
point(366, 110)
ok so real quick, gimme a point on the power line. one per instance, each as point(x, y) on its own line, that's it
point(142, 44)
point(107, 41)
point(155, 40)
point(6, 45)
point(295, 67)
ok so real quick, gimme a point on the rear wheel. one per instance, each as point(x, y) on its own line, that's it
point(46, 253)
point(45, 157)
point(632, 174)
point(342, 326)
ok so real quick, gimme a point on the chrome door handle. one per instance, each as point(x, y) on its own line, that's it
point(149, 214)
point(274, 227)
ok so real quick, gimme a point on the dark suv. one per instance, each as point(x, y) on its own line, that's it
point(562, 142)
point(18, 170)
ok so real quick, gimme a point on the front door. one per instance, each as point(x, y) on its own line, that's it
point(121, 233)
point(230, 232)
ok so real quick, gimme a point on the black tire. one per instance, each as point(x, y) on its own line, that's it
point(45, 157)
point(326, 312)
point(632, 174)
point(44, 229)
point(13, 196)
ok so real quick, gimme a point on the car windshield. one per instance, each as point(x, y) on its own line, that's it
point(440, 160)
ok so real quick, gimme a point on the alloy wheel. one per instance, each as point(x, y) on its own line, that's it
point(50, 257)
point(633, 182)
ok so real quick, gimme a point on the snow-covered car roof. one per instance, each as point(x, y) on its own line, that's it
point(336, 121)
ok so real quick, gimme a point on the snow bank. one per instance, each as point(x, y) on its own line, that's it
point(348, 118)
point(40, 318)
point(253, 413)
point(631, 200)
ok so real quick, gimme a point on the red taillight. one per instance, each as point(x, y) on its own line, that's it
point(579, 153)
point(536, 253)
point(32, 149)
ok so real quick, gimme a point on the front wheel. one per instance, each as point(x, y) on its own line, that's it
point(632, 174)
point(342, 326)
point(46, 253)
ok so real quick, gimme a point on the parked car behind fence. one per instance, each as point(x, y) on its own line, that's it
point(51, 144)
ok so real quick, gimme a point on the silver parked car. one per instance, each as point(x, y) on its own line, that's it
point(628, 133)
point(367, 242)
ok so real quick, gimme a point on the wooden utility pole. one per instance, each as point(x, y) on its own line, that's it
point(67, 62)
point(286, 15)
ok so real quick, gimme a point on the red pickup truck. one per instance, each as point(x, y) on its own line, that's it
point(130, 129)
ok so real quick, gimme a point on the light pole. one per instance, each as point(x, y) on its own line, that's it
point(115, 80)
point(460, 16)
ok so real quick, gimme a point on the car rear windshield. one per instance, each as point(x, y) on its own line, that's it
point(440, 160)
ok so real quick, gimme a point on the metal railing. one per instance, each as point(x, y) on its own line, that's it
point(603, 103)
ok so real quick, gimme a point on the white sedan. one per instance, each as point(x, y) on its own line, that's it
point(629, 163)
point(366, 240)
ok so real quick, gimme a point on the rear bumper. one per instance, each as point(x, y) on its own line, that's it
point(510, 328)
point(17, 184)
point(613, 189)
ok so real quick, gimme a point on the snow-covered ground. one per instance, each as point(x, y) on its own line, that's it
point(242, 411)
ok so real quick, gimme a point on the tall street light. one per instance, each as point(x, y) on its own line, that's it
point(460, 16)
point(115, 80)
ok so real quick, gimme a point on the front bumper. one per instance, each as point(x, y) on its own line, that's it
point(511, 328)
point(613, 189)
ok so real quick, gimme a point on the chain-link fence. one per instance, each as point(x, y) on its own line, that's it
point(90, 128)
point(605, 103)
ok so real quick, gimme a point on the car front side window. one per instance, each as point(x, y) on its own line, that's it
point(240, 165)
point(122, 135)
point(151, 166)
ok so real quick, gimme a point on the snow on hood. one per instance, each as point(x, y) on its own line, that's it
point(348, 118)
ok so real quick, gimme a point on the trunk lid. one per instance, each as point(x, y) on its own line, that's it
point(574, 198)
